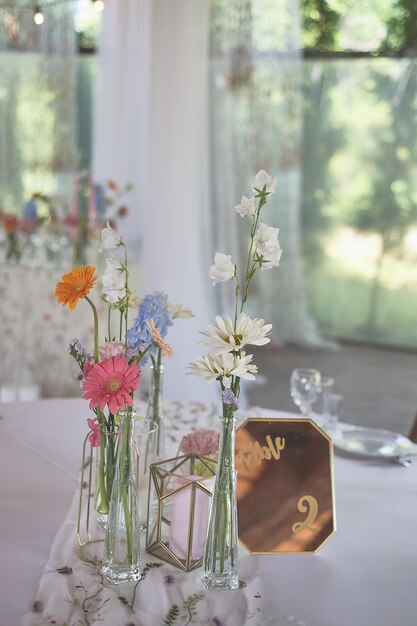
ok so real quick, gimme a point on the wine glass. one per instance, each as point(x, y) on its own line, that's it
point(304, 388)
point(323, 407)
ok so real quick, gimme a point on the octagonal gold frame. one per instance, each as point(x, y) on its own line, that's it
point(285, 486)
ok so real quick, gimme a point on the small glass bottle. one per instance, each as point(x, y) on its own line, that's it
point(121, 562)
point(154, 411)
point(105, 471)
point(220, 552)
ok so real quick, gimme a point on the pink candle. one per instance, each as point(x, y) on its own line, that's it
point(180, 517)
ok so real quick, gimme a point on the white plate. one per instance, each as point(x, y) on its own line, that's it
point(373, 442)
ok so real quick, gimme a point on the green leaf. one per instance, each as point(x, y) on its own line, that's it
point(171, 616)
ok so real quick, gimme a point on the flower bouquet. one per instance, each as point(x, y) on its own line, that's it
point(109, 376)
point(228, 363)
point(49, 232)
point(156, 311)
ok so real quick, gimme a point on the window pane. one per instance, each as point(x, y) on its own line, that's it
point(360, 197)
point(368, 25)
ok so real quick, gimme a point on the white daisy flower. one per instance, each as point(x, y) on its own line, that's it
point(222, 366)
point(223, 337)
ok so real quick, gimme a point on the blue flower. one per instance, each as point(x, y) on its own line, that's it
point(30, 210)
point(152, 307)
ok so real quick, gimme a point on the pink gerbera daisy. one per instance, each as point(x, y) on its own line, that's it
point(111, 382)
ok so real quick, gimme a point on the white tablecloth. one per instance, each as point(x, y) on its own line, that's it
point(364, 576)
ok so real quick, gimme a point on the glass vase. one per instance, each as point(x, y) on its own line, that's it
point(146, 434)
point(105, 472)
point(155, 404)
point(121, 542)
point(220, 551)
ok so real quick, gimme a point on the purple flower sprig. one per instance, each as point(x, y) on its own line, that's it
point(77, 351)
point(228, 397)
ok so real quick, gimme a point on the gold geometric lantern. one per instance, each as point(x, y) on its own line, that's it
point(179, 500)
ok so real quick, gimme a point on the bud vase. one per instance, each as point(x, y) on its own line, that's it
point(121, 543)
point(220, 551)
point(155, 405)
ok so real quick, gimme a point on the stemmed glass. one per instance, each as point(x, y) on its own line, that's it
point(304, 388)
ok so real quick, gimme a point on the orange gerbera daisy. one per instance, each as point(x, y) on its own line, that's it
point(75, 285)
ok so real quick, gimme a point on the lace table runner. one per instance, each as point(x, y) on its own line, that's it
point(73, 593)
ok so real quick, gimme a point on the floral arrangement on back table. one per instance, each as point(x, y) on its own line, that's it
point(228, 363)
point(110, 374)
point(50, 232)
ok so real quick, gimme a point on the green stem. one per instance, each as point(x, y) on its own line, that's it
point(95, 314)
point(250, 270)
point(104, 500)
point(224, 489)
point(237, 289)
point(155, 398)
point(142, 354)
point(121, 326)
point(108, 323)
point(126, 295)
point(105, 471)
point(247, 283)
point(111, 440)
point(124, 478)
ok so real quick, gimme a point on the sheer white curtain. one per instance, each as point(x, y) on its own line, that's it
point(152, 130)
point(121, 133)
point(256, 117)
point(37, 103)
point(37, 154)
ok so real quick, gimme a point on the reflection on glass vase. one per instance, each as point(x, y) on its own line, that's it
point(121, 543)
point(155, 405)
point(105, 471)
point(146, 436)
point(220, 552)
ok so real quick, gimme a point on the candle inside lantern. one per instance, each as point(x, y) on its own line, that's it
point(181, 513)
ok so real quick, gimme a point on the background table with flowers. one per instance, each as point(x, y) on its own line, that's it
point(364, 576)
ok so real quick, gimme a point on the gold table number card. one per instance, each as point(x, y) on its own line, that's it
point(284, 485)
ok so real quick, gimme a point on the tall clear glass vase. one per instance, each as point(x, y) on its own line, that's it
point(121, 543)
point(155, 411)
point(220, 552)
point(106, 454)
